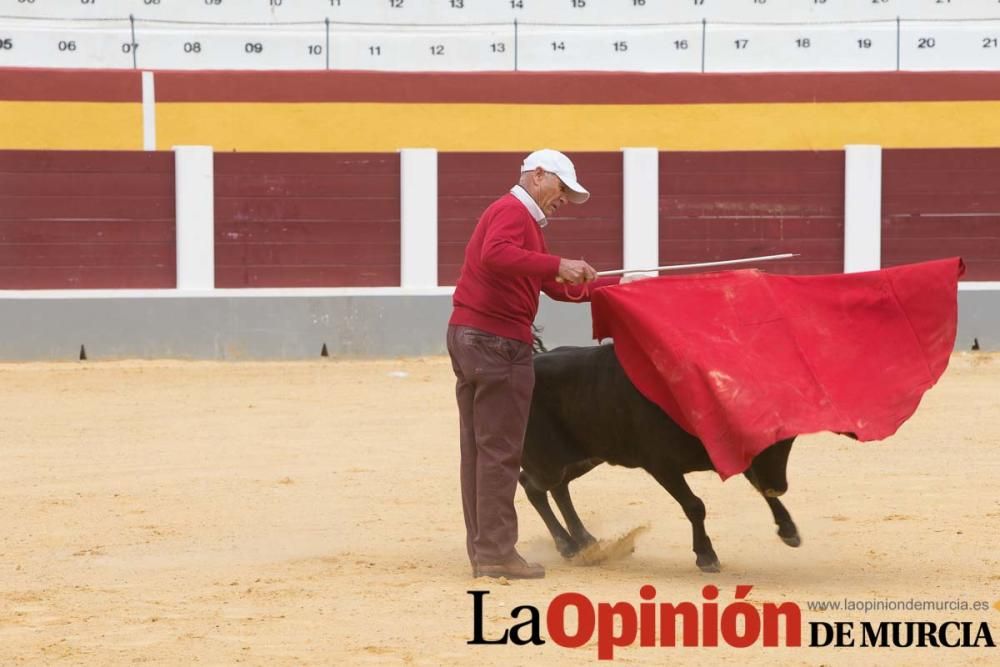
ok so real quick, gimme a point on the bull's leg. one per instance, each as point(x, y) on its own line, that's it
point(694, 509)
point(787, 530)
point(539, 499)
point(565, 504)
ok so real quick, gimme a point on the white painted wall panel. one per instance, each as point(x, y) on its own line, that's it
point(105, 44)
point(801, 48)
point(658, 49)
point(478, 35)
point(973, 45)
point(195, 205)
point(198, 47)
point(423, 49)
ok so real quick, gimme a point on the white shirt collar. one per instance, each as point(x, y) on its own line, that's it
point(530, 204)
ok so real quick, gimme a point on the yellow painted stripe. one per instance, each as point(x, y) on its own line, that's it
point(71, 125)
point(495, 127)
point(486, 127)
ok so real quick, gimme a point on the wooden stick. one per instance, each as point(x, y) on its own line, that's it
point(674, 267)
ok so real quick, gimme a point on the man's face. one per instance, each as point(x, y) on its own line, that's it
point(552, 192)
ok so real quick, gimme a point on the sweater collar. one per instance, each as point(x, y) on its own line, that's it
point(530, 204)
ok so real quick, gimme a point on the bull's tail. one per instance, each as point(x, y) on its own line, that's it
point(537, 346)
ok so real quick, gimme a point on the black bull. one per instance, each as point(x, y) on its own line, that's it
point(585, 411)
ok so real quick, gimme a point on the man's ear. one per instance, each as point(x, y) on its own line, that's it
point(539, 174)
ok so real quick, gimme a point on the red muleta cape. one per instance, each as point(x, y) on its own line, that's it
point(743, 359)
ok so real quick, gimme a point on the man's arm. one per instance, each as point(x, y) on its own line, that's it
point(504, 252)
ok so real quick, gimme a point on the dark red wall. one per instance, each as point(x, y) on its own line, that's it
point(940, 203)
point(86, 219)
point(469, 182)
point(307, 219)
point(725, 205)
point(96, 219)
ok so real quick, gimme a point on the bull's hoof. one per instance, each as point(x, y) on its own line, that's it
point(708, 563)
point(791, 540)
point(567, 548)
point(789, 534)
point(774, 493)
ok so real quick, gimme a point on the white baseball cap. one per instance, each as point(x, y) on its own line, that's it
point(560, 165)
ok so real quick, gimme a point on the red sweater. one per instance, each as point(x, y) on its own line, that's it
point(506, 265)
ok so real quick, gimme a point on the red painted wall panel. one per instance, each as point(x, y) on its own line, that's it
point(82, 162)
point(940, 203)
point(87, 219)
point(724, 205)
point(307, 220)
point(469, 182)
point(110, 207)
point(538, 87)
point(105, 219)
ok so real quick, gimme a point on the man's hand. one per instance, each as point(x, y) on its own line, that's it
point(575, 271)
point(632, 277)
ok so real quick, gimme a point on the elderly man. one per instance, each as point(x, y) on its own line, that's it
point(489, 340)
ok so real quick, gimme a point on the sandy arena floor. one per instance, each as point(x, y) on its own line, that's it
point(308, 513)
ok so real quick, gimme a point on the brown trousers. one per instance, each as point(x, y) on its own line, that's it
point(495, 379)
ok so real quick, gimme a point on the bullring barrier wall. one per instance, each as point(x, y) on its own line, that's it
point(747, 164)
point(270, 250)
